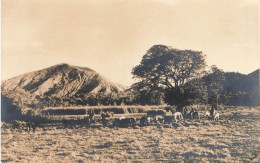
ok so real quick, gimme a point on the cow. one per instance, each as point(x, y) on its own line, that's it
point(212, 112)
point(132, 122)
point(103, 118)
point(196, 114)
point(158, 119)
point(207, 114)
point(65, 123)
point(91, 116)
point(31, 126)
point(185, 112)
point(87, 121)
point(168, 119)
point(177, 115)
point(192, 114)
point(143, 120)
point(189, 115)
point(125, 122)
point(216, 117)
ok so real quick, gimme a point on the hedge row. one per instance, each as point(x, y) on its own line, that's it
point(99, 109)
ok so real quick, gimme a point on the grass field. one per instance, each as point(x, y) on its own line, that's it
point(235, 138)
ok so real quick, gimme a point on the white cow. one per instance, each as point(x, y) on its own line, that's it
point(207, 114)
point(177, 115)
point(216, 117)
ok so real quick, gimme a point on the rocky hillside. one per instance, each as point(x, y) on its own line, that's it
point(60, 82)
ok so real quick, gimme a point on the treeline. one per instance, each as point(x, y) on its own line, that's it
point(235, 89)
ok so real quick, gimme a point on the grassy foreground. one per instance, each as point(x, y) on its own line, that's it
point(236, 137)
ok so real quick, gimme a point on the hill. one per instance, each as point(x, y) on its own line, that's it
point(242, 89)
point(62, 80)
point(57, 85)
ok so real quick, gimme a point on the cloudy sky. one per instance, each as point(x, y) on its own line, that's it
point(112, 36)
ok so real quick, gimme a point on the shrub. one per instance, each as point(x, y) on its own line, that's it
point(65, 112)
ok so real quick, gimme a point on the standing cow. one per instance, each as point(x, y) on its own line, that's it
point(91, 116)
point(103, 118)
point(177, 116)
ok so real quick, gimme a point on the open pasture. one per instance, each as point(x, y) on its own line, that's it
point(236, 137)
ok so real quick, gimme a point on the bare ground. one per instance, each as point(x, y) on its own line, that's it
point(234, 138)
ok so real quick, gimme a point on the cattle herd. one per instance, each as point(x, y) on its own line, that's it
point(152, 117)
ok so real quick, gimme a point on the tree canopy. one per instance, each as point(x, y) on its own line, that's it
point(171, 70)
point(214, 81)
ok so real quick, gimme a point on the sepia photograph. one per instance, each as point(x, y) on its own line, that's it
point(130, 81)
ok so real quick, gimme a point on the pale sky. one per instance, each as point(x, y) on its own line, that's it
point(111, 36)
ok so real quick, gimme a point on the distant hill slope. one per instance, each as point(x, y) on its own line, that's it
point(57, 83)
point(244, 88)
point(62, 80)
point(255, 74)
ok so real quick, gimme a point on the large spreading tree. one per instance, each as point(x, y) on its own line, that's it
point(174, 71)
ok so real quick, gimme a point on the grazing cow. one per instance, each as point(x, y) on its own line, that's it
point(149, 120)
point(103, 117)
point(192, 114)
point(87, 121)
point(132, 122)
point(196, 114)
point(158, 119)
point(34, 125)
point(125, 122)
point(168, 119)
point(31, 126)
point(207, 114)
point(65, 123)
point(143, 120)
point(189, 115)
point(177, 116)
point(91, 116)
point(185, 112)
point(212, 112)
point(216, 117)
